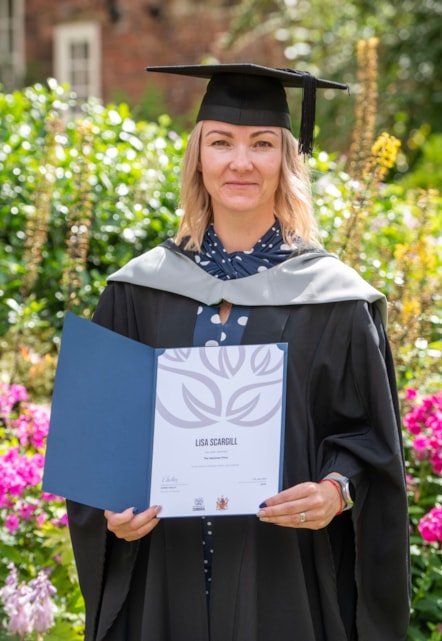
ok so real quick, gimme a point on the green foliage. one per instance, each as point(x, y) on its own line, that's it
point(57, 158)
point(324, 42)
point(427, 171)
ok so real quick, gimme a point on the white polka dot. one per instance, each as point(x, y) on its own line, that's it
point(242, 320)
point(223, 336)
point(200, 309)
point(262, 268)
point(197, 258)
point(209, 522)
point(211, 343)
point(215, 319)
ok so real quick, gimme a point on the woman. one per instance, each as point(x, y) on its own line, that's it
point(326, 558)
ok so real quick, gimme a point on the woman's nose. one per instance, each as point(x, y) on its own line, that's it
point(241, 160)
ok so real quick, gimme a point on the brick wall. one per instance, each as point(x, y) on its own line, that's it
point(137, 33)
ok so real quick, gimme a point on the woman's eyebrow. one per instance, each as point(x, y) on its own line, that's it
point(263, 131)
point(219, 132)
point(252, 135)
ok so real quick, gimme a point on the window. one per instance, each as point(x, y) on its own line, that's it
point(12, 59)
point(77, 58)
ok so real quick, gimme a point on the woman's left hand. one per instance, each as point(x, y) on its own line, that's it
point(307, 505)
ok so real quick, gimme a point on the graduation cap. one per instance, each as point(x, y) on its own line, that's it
point(249, 94)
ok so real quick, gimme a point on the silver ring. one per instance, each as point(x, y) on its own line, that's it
point(302, 517)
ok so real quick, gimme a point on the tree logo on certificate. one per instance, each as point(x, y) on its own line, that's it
point(228, 384)
point(222, 504)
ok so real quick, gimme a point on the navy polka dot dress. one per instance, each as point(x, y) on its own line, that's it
point(213, 258)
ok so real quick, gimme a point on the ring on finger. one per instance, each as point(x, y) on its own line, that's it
point(302, 517)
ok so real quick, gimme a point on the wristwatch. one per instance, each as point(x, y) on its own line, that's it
point(344, 484)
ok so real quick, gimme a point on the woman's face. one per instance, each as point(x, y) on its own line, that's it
point(241, 166)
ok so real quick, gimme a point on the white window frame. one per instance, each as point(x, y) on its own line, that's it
point(12, 44)
point(67, 36)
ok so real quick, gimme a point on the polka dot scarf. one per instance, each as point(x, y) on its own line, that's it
point(213, 258)
point(268, 251)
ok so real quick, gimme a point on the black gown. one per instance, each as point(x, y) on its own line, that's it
point(346, 582)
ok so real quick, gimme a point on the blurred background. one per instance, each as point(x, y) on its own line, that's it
point(100, 47)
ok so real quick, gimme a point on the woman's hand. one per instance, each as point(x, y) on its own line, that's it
point(129, 526)
point(307, 505)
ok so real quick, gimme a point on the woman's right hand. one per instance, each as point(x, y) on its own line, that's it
point(129, 526)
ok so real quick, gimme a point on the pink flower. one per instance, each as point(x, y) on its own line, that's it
point(22, 461)
point(10, 395)
point(63, 520)
point(424, 422)
point(12, 523)
point(430, 526)
point(410, 394)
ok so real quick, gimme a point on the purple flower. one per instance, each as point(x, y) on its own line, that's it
point(29, 606)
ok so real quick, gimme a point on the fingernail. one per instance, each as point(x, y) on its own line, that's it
point(263, 504)
point(135, 510)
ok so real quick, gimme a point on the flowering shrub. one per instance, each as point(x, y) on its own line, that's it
point(29, 605)
point(430, 525)
point(25, 427)
point(424, 422)
point(34, 542)
point(423, 444)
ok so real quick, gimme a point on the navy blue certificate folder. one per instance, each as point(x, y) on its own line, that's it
point(184, 428)
point(106, 379)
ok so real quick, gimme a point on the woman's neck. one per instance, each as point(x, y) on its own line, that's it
point(243, 234)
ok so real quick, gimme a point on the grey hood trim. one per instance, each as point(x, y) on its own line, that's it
point(309, 278)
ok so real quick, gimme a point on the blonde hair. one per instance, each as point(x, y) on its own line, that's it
point(293, 199)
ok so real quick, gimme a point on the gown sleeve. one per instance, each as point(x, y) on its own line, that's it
point(368, 449)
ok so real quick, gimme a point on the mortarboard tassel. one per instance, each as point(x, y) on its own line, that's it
point(307, 128)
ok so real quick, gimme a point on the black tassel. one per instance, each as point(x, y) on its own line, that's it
point(307, 128)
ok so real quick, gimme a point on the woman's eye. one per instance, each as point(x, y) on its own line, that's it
point(263, 143)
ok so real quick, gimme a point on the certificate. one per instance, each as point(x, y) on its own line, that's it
point(196, 430)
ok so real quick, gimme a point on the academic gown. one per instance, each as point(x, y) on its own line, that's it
point(346, 582)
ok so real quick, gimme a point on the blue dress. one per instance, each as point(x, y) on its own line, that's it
point(209, 330)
